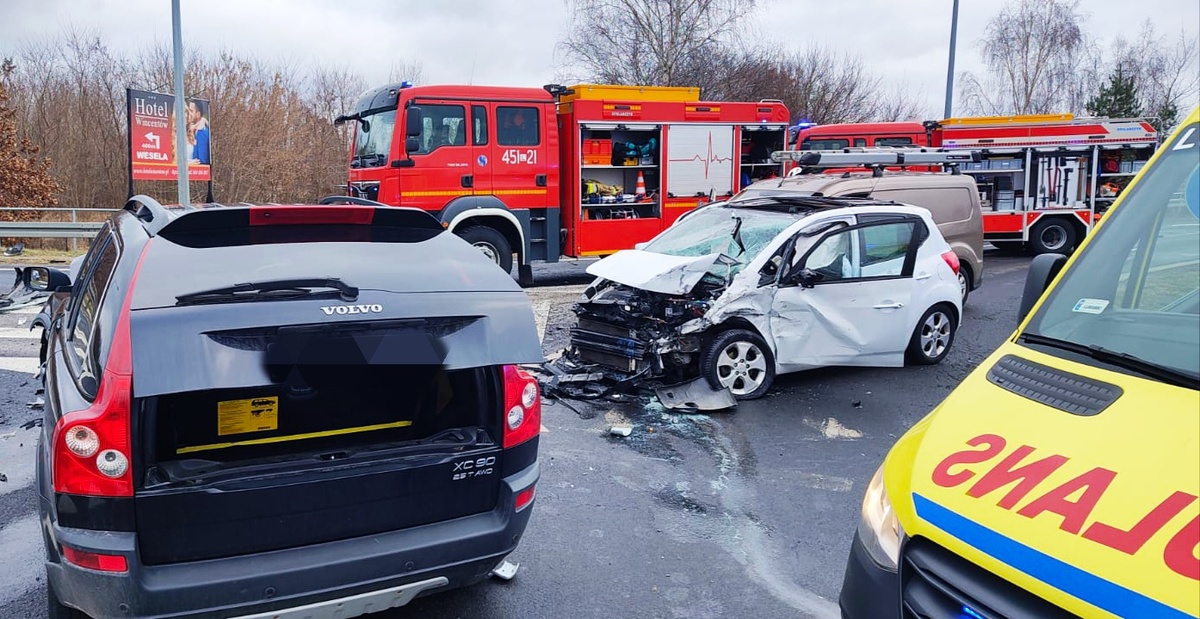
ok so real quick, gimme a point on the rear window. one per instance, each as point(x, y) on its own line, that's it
point(367, 257)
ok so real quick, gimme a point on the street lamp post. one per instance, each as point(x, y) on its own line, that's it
point(181, 159)
point(950, 68)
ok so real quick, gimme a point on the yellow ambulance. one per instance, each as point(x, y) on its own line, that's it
point(1061, 477)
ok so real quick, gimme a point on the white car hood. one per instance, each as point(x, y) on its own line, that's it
point(660, 273)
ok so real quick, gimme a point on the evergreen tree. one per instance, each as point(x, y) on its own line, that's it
point(1116, 99)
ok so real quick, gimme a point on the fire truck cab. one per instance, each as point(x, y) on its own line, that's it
point(576, 171)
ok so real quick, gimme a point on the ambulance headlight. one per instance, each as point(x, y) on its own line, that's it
point(879, 530)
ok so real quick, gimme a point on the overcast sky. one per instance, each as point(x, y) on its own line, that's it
point(512, 42)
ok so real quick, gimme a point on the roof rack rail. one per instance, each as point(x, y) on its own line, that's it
point(876, 158)
point(149, 211)
point(349, 200)
point(896, 156)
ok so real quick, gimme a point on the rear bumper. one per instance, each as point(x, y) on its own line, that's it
point(375, 571)
point(868, 590)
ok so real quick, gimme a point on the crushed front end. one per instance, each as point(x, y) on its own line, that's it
point(637, 332)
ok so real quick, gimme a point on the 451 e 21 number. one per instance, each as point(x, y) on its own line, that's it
point(518, 156)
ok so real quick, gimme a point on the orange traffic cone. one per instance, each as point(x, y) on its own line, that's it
point(640, 190)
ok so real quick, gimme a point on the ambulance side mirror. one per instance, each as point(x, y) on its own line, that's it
point(1042, 271)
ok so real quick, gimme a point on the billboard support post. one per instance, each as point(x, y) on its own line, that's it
point(128, 142)
point(181, 161)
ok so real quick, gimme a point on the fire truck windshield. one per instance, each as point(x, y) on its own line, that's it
point(373, 139)
point(1132, 297)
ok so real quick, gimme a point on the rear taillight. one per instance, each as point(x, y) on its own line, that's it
point(95, 561)
point(522, 407)
point(300, 215)
point(91, 447)
point(524, 498)
point(951, 259)
point(91, 454)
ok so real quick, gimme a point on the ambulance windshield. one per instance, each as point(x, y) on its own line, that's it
point(1131, 300)
point(373, 139)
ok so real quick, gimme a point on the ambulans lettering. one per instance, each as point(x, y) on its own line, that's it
point(1023, 472)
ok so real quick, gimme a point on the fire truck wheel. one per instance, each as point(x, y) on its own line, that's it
point(1052, 236)
point(492, 243)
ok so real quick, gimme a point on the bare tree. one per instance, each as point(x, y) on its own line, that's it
point(651, 42)
point(1163, 70)
point(827, 87)
point(898, 103)
point(1032, 50)
point(273, 136)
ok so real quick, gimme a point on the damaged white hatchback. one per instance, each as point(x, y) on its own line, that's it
point(738, 293)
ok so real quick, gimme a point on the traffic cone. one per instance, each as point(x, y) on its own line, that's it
point(640, 190)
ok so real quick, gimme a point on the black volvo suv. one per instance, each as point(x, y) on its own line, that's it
point(281, 411)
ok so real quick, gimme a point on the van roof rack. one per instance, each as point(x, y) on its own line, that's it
point(875, 159)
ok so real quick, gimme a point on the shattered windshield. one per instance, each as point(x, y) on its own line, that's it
point(1133, 295)
point(711, 231)
point(373, 139)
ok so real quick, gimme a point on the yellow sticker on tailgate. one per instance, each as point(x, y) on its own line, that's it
point(251, 415)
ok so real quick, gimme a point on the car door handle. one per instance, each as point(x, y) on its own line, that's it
point(540, 180)
point(468, 180)
point(889, 306)
point(923, 276)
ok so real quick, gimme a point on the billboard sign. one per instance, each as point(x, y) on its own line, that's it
point(152, 137)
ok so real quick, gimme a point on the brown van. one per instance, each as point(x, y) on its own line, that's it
point(952, 199)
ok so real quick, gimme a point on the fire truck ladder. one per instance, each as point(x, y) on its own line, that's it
point(875, 159)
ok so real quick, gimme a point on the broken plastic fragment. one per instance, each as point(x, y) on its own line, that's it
point(696, 394)
point(507, 570)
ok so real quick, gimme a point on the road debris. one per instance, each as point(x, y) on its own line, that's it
point(621, 431)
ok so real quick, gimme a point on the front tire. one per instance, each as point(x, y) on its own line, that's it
point(491, 243)
point(934, 335)
point(740, 361)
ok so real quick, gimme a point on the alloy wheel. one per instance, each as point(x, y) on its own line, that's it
point(935, 334)
point(741, 367)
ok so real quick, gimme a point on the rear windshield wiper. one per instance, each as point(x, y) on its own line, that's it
point(1124, 360)
point(271, 290)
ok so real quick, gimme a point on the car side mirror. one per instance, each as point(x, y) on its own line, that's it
point(769, 273)
point(412, 145)
point(45, 279)
point(1042, 270)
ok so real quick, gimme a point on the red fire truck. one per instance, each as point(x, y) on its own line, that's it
point(1043, 180)
point(576, 171)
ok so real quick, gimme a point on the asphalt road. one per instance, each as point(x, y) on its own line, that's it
point(742, 514)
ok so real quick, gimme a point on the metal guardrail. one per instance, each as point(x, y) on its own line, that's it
point(52, 229)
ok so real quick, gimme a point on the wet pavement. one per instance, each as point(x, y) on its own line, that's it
point(745, 513)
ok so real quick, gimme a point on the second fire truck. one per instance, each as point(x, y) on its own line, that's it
point(545, 173)
point(1044, 180)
